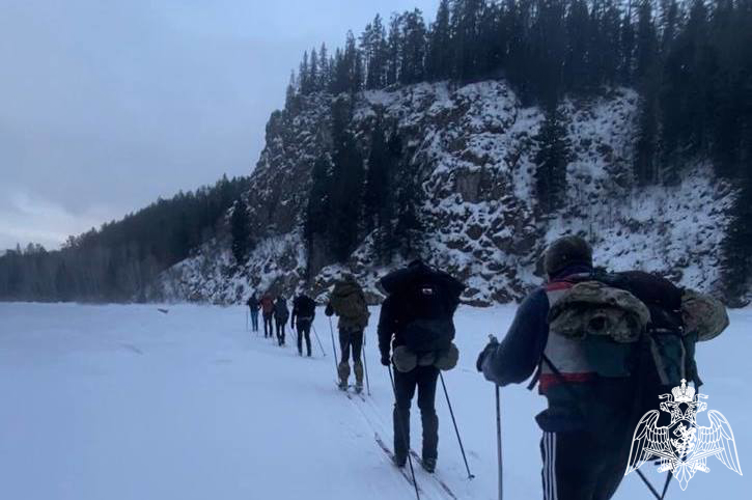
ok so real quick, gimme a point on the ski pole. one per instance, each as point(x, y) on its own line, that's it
point(498, 443)
point(334, 351)
point(365, 365)
point(456, 429)
point(647, 483)
point(668, 481)
point(492, 339)
point(403, 431)
point(316, 334)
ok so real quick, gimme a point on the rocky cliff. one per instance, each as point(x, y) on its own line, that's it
point(472, 149)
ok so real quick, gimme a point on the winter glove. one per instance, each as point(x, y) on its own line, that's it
point(492, 345)
point(385, 360)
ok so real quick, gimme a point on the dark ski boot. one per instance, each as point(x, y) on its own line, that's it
point(429, 464)
point(399, 460)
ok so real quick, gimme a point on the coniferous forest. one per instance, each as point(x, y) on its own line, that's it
point(690, 62)
point(116, 262)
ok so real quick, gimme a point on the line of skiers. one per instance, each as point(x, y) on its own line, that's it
point(275, 314)
point(601, 347)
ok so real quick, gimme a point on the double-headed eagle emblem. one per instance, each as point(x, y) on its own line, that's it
point(682, 446)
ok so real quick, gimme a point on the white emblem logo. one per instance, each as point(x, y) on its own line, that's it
point(682, 447)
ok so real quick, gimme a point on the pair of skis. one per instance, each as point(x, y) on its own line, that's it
point(357, 391)
point(441, 485)
point(403, 472)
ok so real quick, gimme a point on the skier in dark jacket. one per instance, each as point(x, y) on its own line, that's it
point(403, 309)
point(303, 313)
point(253, 305)
point(281, 315)
point(587, 427)
point(349, 303)
point(267, 309)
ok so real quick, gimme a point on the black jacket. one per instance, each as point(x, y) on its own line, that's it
point(253, 303)
point(303, 307)
point(396, 311)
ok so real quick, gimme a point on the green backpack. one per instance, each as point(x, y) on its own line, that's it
point(349, 303)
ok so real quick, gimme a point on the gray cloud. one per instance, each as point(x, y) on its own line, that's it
point(108, 105)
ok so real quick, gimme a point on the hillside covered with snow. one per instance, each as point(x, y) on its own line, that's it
point(472, 150)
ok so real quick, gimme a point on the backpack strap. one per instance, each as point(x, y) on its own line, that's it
point(536, 377)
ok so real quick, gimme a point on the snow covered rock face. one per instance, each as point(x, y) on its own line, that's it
point(473, 148)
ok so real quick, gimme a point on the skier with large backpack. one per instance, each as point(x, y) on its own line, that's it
point(281, 315)
point(349, 303)
point(267, 310)
point(606, 346)
point(254, 304)
point(416, 330)
point(303, 313)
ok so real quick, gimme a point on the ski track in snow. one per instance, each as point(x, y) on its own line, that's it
point(123, 402)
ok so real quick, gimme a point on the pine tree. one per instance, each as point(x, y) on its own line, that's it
point(325, 74)
point(551, 162)
point(240, 231)
point(466, 15)
point(352, 66)
point(439, 50)
point(304, 76)
point(313, 73)
point(578, 51)
point(408, 236)
point(394, 50)
point(413, 48)
point(737, 244)
point(648, 81)
point(377, 178)
point(373, 48)
point(318, 211)
point(347, 181)
point(627, 48)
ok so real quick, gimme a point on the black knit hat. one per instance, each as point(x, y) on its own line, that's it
point(567, 251)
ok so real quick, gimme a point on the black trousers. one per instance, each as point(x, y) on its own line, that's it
point(281, 330)
point(581, 465)
point(254, 319)
point(304, 331)
point(423, 378)
point(268, 326)
point(350, 340)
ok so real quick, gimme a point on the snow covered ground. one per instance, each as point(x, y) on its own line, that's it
point(124, 402)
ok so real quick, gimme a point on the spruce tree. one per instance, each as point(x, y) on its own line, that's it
point(347, 181)
point(551, 162)
point(318, 211)
point(240, 231)
point(303, 75)
point(413, 48)
point(394, 50)
point(313, 73)
point(439, 50)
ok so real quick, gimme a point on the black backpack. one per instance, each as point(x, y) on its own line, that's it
point(280, 309)
point(426, 300)
point(305, 306)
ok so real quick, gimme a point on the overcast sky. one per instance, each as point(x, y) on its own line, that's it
point(106, 105)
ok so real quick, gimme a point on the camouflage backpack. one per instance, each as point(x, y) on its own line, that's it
point(703, 315)
point(592, 308)
point(661, 321)
point(349, 303)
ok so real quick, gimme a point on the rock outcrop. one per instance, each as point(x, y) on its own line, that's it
point(472, 148)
